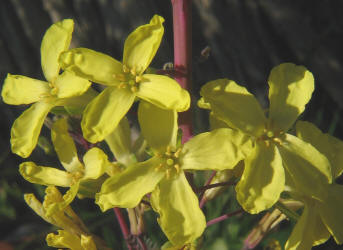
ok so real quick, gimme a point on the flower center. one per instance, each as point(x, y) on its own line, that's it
point(270, 136)
point(128, 79)
point(170, 162)
point(76, 176)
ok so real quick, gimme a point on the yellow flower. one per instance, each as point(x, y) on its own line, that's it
point(76, 176)
point(64, 89)
point(172, 197)
point(263, 179)
point(125, 81)
point(74, 235)
point(320, 218)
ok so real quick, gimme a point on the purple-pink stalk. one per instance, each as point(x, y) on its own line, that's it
point(224, 217)
point(182, 28)
point(123, 226)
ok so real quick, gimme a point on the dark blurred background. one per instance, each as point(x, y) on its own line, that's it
point(246, 39)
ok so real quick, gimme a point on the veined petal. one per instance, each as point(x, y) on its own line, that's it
point(64, 146)
point(234, 105)
point(119, 142)
point(181, 219)
point(95, 161)
point(56, 40)
point(290, 89)
point(161, 131)
point(26, 128)
point(263, 179)
point(308, 231)
point(164, 92)
point(19, 90)
point(69, 85)
point(141, 45)
point(310, 169)
point(103, 114)
point(331, 211)
point(128, 188)
point(328, 145)
point(67, 198)
point(89, 64)
point(44, 175)
point(64, 239)
point(217, 150)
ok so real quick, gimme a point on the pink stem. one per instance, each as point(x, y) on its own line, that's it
point(124, 229)
point(224, 217)
point(201, 196)
point(182, 10)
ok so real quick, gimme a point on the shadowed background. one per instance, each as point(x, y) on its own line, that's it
point(246, 39)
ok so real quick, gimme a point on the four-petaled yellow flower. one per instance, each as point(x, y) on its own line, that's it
point(320, 218)
point(64, 89)
point(125, 81)
point(172, 197)
point(74, 235)
point(95, 164)
point(274, 152)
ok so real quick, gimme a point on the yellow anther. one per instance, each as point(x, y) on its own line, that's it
point(134, 89)
point(169, 149)
point(170, 162)
point(277, 140)
point(177, 153)
point(126, 69)
point(139, 78)
point(267, 143)
point(132, 82)
point(177, 167)
point(133, 71)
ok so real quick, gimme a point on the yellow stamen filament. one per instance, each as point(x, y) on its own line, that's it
point(139, 78)
point(158, 167)
point(177, 153)
point(168, 173)
point(134, 89)
point(133, 71)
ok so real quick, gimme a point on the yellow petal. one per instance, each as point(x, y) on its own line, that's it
point(234, 105)
point(215, 122)
point(128, 188)
point(161, 131)
point(94, 66)
point(19, 90)
point(141, 45)
point(69, 85)
point(95, 161)
point(309, 169)
point(263, 179)
point(56, 40)
point(290, 89)
point(44, 175)
point(119, 142)
point(64, 146)
point(64, 239)
point(37, 207)
point(67, 198)
point(331, 212)
point(308, 231)
point(164, 92)
point(103, 114)
point(217, 150)
point(26, 128)
point(328, 145)
point(181, 219)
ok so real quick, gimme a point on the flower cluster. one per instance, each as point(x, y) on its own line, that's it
point(153, 169)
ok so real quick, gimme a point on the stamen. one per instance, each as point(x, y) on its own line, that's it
point(177, 167)
point(133, 71)
point(177, 153)
point(139, 78)
point(134, 89)
point(126, 69)
point(158, 167)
